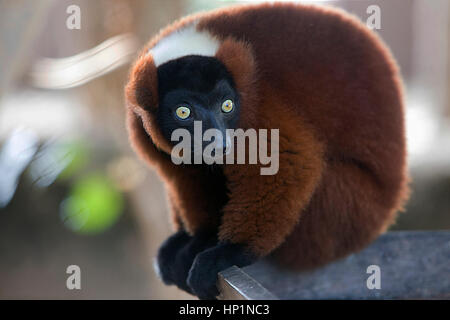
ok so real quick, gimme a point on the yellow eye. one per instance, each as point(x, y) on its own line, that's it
point(227, 106)
point(183, 112)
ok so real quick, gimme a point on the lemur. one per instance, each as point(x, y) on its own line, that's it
point(333, 90)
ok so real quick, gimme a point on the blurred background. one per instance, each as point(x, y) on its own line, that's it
point(73, 192)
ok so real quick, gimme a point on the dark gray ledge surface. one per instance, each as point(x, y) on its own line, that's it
point(413, 265)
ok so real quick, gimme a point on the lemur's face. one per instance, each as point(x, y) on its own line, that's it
point(196, 88)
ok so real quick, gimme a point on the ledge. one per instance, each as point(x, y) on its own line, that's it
point(413, 265)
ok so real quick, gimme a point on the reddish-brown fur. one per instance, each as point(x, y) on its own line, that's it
point(334, 91)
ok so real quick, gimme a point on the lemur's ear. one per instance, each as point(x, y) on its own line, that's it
point(238, 58)
point(142, 88)
point(141, 94)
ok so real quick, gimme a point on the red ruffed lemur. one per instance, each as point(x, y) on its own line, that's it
point(333, 90)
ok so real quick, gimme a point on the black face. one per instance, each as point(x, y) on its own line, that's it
point(196, 88)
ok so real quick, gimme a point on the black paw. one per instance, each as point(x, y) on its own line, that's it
point(176, 255)
point(202, 276)
point(164, 264)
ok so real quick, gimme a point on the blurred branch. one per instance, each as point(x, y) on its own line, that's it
point(81, 68)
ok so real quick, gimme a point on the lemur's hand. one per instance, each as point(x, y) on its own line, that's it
point(202, 276)
point(176, 255)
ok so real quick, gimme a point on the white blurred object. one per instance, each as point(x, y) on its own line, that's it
point(48, 163)
point(78, 69)
point(428, 135)
point(15, 155)
point(422, 126)
point(48, 114)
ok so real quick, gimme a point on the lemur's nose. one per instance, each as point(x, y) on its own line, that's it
point(224, 143)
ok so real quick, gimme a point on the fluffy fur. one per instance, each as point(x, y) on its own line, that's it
point(333, 89)
point(185, 42)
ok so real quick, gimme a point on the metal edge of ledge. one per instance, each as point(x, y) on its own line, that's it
point(234, 284)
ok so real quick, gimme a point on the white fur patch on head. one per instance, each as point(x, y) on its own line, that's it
point(184, 42)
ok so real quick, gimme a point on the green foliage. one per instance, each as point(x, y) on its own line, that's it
point(94, 205)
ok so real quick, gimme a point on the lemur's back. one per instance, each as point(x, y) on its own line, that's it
point(338, 76)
